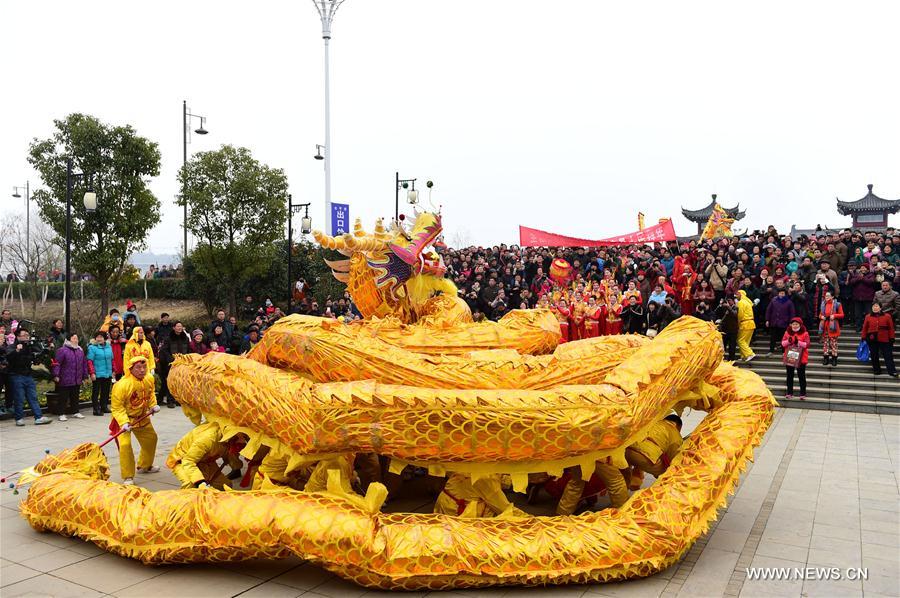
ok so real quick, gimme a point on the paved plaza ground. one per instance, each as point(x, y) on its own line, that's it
point(823, 492)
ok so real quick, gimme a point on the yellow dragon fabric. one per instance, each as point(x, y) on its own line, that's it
point(418, 382)
point(445, 428)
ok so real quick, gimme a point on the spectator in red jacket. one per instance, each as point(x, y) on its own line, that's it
point(878, 332)
point(197, 345)
point(796, 355)
point(117, 341)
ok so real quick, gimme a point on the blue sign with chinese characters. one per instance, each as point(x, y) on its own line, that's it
point(340, 218)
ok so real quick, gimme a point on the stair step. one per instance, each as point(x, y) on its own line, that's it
point(814, 347)
point(845, 364)
point(836, 375)
point(779, 388)
point(861, 406)
point(869, 385)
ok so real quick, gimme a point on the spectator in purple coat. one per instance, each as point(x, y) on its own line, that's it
point(863, 287)
point(70, 369)
point(778, 315)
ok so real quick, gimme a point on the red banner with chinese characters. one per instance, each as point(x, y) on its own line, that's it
point(532, 237)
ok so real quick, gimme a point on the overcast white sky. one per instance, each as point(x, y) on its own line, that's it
point(568, 116)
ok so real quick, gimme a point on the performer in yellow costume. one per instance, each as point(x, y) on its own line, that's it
point(612, 478)
point(138, 345)
point(654, 453)
point(272, 472)
point(482, 498)
point(133, 400)
point(746, 325)
point(318, 479)
point(195, 459)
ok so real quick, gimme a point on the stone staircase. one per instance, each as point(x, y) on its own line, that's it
point(851, 386)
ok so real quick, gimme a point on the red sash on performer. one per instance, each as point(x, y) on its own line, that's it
point(460, 503)
point(114, 428)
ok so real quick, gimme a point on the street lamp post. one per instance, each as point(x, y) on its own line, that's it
point(90, 203)
point(186, 117)
point(412, 196)
point(18, 195)
point(326, 9)
point(305, 228)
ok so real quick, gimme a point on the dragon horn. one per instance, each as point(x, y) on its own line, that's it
point(329, 242)
point(380, 232)
point(364, 243)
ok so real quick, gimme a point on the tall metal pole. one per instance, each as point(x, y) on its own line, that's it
point(290, 256)
point(28, 224)
point(326, 9)
point(326, 35)
point(184, 129)
point(68, 243)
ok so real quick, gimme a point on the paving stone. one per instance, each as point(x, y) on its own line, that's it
point(273, 590)
point(711, 574)
point(787, 552)
point(828, 588)
point(781, 587)
point(732, 541)
point(192, 581)
point(48, 585)
point(880, 585)
point(639, 588)
point(881, 538)
point(109, 573)
point(12, 573)
point(304, 577)
point(836, 531)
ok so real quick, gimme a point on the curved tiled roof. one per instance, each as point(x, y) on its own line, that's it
point(869, 203)
point(703, 214)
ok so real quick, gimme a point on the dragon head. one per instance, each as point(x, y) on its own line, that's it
point(391, 272)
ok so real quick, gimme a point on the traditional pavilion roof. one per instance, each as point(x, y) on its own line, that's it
point(703, 214)
point(869, 203)
point(812, 232)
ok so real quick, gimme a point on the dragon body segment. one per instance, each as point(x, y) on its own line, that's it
point(419, 383)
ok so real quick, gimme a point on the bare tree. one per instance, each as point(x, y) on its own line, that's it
point(461, 238)
point(32, 266)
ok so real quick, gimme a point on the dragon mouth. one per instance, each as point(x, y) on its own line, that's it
point(313, 391)
point(422, 238)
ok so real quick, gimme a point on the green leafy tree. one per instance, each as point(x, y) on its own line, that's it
point(309, 263)
point(120, 163)
point(237, 211)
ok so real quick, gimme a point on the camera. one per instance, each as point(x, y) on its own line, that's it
point(38, 348)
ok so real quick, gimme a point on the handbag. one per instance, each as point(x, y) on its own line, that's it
point(862, 352)
point(792, 356)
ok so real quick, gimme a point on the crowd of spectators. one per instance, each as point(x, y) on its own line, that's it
point(752, 284)
point(101, 359)
point(165, 271)
point(762, 283)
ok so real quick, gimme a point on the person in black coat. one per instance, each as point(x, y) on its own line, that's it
point(163, 329)
point(726, 317)
point(659, 316)
point(703, 312)
point(178, 343)
point(634, 320)
point(798, 297)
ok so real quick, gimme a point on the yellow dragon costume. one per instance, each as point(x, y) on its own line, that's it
point(417, 382)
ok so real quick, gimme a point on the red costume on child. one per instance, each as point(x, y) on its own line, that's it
point(683, 277)
point(595, 321)
point(563, 313)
